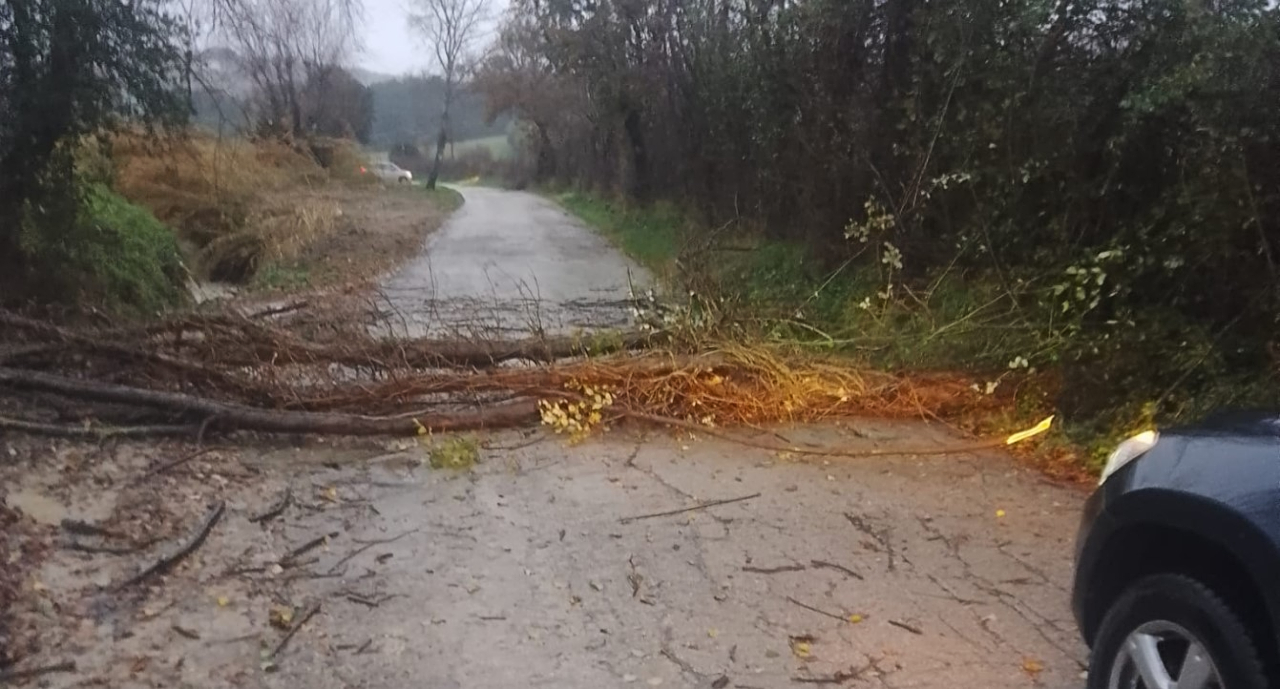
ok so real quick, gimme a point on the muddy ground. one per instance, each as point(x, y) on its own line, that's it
point(539, 566)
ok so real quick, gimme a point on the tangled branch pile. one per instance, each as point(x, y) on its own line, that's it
point(202, 373)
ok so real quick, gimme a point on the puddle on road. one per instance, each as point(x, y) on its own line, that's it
point(47, 510)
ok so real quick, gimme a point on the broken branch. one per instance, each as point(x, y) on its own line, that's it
point(272, 421)
point(307, 614)
point(14, 675)
point(820, 611)
point(183, 548)
point(703, 506)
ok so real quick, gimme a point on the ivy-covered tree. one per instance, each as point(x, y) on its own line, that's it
point(71, 69)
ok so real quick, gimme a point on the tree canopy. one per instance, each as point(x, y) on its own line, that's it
point(68, 69)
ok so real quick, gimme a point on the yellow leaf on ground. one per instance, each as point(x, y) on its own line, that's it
point(999, 514)
point(855, 618)
point(281, 616)
point(223, 601)
point(1032, 667)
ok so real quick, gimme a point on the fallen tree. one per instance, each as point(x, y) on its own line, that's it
point(240, 417)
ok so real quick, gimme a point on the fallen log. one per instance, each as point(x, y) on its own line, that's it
point(98, 431)
point(235, 416)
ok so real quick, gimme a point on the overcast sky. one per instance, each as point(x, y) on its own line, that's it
point(389, 45)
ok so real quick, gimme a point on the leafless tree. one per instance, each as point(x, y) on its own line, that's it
point(451, 28)
point(284, 45)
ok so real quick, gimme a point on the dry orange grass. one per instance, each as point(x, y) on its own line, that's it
point(742, 385)
point(236, 203)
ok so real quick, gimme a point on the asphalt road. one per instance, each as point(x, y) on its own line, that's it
point(511, 262)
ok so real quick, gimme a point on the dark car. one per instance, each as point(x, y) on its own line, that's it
point(1177, 579)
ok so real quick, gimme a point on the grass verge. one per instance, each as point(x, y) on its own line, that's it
point(651, 235)
point(1026, 360)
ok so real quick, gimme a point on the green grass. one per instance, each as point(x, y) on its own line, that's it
point(457, 452)
point(498, 145)
point(447, 199)
point(651, 235)
point(278, 276)
point(117, 254)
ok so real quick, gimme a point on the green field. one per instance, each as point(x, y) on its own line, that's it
point(498, 146)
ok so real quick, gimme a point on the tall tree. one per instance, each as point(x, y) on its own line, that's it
point(451, 28)
point(70, 68)
point(287, 45)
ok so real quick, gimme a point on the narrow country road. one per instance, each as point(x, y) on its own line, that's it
point(511, 262)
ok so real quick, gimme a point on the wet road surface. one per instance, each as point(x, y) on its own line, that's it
point(509, 263)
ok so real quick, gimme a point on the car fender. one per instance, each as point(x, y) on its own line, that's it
point(1214, 521)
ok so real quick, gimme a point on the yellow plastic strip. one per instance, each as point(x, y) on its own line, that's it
point(1030, 432)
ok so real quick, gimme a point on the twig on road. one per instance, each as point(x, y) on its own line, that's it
point(823, 564)
point(175, 463)
point(775, 570)
point(820, 611)
point(290, 559)
point(13, 675)
point(907, 626)
point(181, 550)
point(367, 545)
point(703, 506)
point(307, 614)
point(275, 510)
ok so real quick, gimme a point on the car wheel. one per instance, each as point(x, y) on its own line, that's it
point(1171, 632)
point(404, 180)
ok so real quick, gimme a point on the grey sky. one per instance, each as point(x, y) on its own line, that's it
point(389, 46)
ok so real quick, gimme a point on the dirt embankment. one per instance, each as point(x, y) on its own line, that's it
point(269, 215)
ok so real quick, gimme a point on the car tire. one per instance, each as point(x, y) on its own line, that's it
point(403, 180)
point(1179, 611)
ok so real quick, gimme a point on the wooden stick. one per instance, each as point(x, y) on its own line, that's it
point(820, 611)
point(183, 549)
point(838, 568)
point(907, 626)
point(774, 570)
point(307, 614)
point(12, 675)
point(703, 506)
point(174, 463)
point(276, 509)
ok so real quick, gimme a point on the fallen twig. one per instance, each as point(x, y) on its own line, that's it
point(12, 675)
point(703, 506)
point(275, 509)
point(82, 547)
point(774, 570)
point(181, 550)
point(183, 631)
point(838, 678)
point(291, 557)
point(907, 626)
point(839, 568)
point(307, 614)
point(820, 611)
point(367, 545)
point(83, 528)
point(176, 462)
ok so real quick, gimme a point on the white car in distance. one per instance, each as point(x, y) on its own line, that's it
point(390, 172)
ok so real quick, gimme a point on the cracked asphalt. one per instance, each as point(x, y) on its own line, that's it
point(526, 572)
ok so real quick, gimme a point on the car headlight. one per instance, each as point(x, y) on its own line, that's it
point(1128, 451)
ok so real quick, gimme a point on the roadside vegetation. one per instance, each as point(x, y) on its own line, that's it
point(1083, 195)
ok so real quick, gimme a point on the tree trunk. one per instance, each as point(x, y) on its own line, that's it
point(435, 165)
